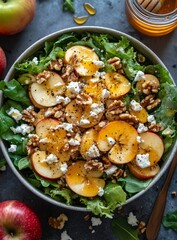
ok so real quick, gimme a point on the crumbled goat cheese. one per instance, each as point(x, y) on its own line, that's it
point(151, 119)
point(100, 191)
point(98, 63)
point(105, 93)
point(43, 140)
point(13, 148)
point(64, 167)
point(52, 158)
point(66, 126)
point(111, 141)
point(35, 60)
point(95, 79)
point(142, 128)
point(65, 236)
point(64, 100)
point(139, 76)
point(132, 220)
point(58, 84)
point(15, 114)
point(100, 75)
point(142, 160)
point(74, 87)
point(96, 221)
point(96, 109)
point(23, 129)
point(112, 169)
point(139, 140)
point(93, 152)
point(84, 122)
point(73, 142)
point(135, 106)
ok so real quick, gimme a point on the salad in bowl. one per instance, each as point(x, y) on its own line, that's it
point(88, 119)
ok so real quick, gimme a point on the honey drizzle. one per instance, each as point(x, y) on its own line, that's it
point(80, 20)
point(168, 6)
point(89, 8)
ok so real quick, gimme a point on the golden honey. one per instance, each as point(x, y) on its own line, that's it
point(152, 24)
point(89, 8)
point(80, 20)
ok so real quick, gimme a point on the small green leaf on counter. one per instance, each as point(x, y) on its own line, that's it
point(123, 230)
point(170, 220)
point(2, 163)
point(68, 5)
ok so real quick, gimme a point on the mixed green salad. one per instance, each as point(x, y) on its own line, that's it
point(88, 120)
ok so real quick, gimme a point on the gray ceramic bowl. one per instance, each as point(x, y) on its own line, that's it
point(139, 46)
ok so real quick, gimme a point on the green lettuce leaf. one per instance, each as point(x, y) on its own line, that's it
point(5, 123)
point(68, 5)
point(170, 220)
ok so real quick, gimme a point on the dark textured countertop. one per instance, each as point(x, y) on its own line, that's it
point(50, 18)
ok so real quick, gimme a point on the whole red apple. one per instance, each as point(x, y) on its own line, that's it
point(2, 61)
point(15, 15)
point(18, 221)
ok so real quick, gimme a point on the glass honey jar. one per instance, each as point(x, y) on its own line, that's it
point(152, 24)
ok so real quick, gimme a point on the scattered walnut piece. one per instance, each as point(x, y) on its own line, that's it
point(150, 87)
point(58, 222)
point(141, 227)
point(29, 115)
point(56, 64)
point(32, 144)
point(155, 127)
point(86, 217)
point(56, 112)
point(106, 162)
point(131, 119)
point(93, 165)
point(118, 173)
point(115, 108)
point(116, 63)
point(83, 99)
point(43, 76)
point(174, 194)
point(150, 102)
point(69, 73)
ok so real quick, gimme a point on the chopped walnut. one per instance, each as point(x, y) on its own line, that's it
point(29, 115)
point(32, 144)
point(56, 112)
point(56, 64)
point(69, 73)
point(115, 62)
point(43, 76)
point(131, 119)
point(150, 102)
point(83, 99)
point(155, 127)
point(106, 162)
point(141, 227)
point(150, 87)
point(115, 108)
point(119, 173)
point(93, 165)
point(173, 194)
point(58, 222)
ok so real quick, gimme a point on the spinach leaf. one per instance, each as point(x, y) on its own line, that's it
point(2, 163)
point(68, 5)
point(170, 220)
point(5, 123)
point(23, 163)
point(123, 230)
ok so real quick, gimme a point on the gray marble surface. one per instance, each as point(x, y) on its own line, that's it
point(50, 18)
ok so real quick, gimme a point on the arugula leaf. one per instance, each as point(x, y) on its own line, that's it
point(68, 5)
point(123, 230)
point(170, 220)
point(64, 193)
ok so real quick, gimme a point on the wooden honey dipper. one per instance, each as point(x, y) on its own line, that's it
point(151, 5)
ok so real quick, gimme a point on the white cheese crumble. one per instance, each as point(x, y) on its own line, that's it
point(96, 109)
point(139, 76)
point(73, 142)
point(58, 84)
point(74, 87)
point(84, 122)
point(35, 60)
point(43, 140)
point(105, 93)
point(112, 169)
point(64, 100)
point(64, 167)
point(100, 191)
point(139, 140)
point(111, 141)
point(13, 148)
point(93, 152)
point(100, 74)
point(52, 158)
point(98, 63)
point(23, 129)
point(151, 119)
point(142, 128)
point(65, 236)
point(66, 126)
point(96, 221)
point(15, 114)
point(135, 106)
point(142, 160)
point(132, 220)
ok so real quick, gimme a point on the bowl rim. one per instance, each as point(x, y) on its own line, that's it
point(37, 45)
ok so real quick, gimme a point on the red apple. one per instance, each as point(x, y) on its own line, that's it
point(18, 221)
point(2, 61)
point(15, 15)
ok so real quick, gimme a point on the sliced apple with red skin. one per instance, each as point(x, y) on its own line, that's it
point(117, 84)
point(82, 59)
point(44, 169)
point(75, 113)
point(143, 173)
point(44, 94)
point(80, 182)
point(141, 115)
point(147, 77)
point(88, 139)
point(152, 144)
point(125, 147)
point(52, 139)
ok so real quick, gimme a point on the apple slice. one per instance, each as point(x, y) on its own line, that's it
point(141, 115)
point(48, 171)
point(152, 144)
point(83, 59)
point(80, 182)
point(44, 94)
point(81, 115)
point(119, 139)
point(88, 139)
point(52, 139)
point(117, 84)
point(147, 78)
point(143, 173)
